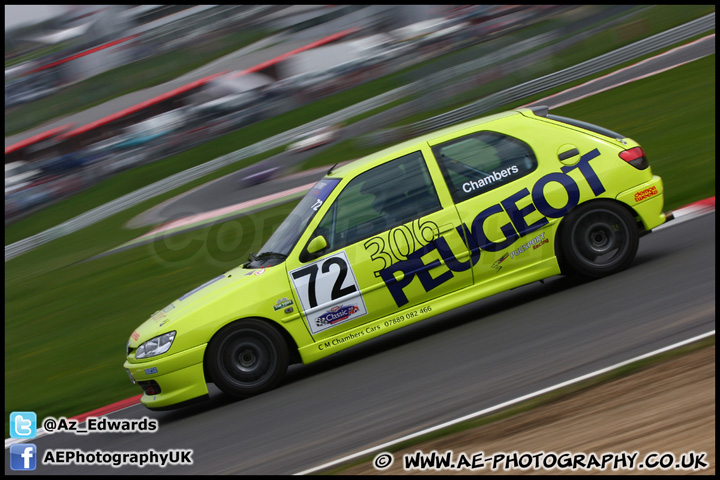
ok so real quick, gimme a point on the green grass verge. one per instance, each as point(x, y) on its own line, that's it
point(92, 240)
point(40, 52)
point(561, 394)
point(122, 80)
point(377, 110)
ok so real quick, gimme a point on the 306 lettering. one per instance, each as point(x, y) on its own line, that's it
point(396, 244)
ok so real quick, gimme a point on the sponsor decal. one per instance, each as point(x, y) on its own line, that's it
point(259, 271)
point(135, 335)
point(535, 242)
point(409, 316)
point(151, 371)
point(201, 287)
point(489, 179)
point(647, 193)
point(160, 315)
point(282, 303)
point(289, 310)
point(336, 314)
point(497, 265)
point(538, 245)
point(477, 241)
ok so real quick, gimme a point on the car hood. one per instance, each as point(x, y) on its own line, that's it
point(237, 293)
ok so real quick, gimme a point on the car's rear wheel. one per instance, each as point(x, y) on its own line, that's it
point(598, 239)
point(247, 357)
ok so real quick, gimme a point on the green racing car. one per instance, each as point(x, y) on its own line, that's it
point(409, 232)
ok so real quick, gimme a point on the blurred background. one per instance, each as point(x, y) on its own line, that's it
point(112, 112)
point(182, 75)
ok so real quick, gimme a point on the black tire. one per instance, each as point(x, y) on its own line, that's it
point(598, 239)
point(246, 358)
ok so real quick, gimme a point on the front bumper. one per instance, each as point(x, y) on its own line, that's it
point(180, 377)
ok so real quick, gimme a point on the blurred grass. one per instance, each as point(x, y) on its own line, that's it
point(658, 19)
point(131, 180)
point(654, 20)
point(377, 110)
point(122, 80)
point(40, 52)
point(66, 322)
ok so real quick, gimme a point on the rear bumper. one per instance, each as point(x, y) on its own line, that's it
point(647, 200)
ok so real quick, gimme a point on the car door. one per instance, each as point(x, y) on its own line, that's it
point(491, 174)
point(391, 245)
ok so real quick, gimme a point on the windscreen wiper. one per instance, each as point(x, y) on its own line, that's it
point(268, 254)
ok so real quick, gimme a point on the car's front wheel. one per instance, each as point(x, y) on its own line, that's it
point(246, 358)
point(598, 239)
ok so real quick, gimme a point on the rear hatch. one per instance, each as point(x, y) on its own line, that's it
point(630, 151)
point(542, 113)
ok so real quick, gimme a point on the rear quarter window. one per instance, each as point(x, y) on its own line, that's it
point(480, 162)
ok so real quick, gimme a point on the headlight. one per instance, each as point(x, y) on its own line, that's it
point(155, 346)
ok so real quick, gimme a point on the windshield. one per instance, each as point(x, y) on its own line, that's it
point(290, 230)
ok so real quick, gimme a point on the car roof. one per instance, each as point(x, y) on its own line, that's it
point(365, 163)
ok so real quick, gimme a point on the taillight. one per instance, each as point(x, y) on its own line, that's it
point(635, 157)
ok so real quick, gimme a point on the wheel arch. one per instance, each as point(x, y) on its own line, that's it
point(564, 268)
point(290, 344)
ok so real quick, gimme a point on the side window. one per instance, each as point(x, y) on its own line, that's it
point(477, 163)
point(389, 195)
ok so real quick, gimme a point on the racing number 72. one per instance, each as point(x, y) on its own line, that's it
point(338, 291)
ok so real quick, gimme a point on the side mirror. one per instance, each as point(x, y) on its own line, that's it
point(316, 244)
